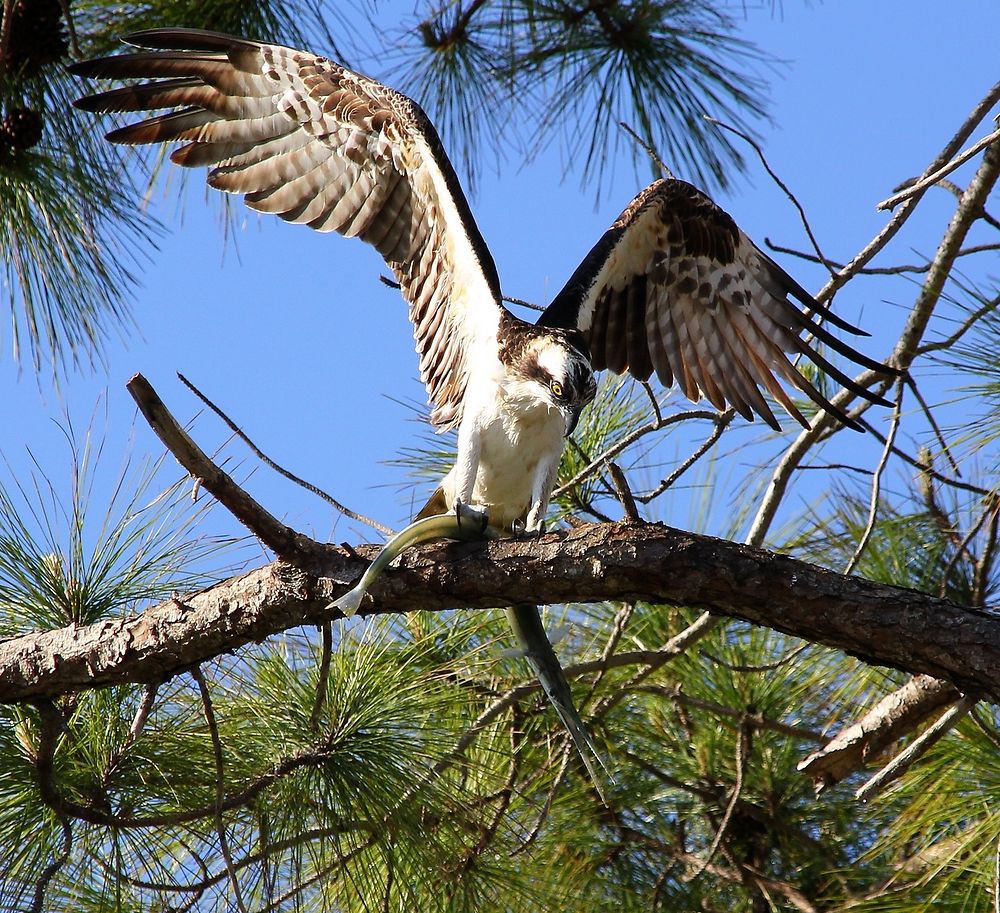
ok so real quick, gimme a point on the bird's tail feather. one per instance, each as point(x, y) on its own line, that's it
point(526, 623)
point(436, 505)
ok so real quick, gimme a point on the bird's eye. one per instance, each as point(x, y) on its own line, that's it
point(556, 388)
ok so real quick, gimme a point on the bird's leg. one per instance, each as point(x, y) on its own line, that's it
point(541, 489)
point(466, 467)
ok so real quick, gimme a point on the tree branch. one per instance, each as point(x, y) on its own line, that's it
point(881, 624)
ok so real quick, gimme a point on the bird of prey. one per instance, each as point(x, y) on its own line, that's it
point(674, 287)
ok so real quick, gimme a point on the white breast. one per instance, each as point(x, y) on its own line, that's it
point(521, 444)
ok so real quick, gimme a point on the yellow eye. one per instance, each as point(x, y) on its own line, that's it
point(556, 388)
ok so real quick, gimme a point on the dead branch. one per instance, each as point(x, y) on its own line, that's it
point(917, 748)
point(892, 718)
point(267, 461)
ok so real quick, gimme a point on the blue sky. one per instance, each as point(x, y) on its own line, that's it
point(293, 335)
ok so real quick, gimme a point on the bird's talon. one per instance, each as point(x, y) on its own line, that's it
point(477, 515)
point(521, 530)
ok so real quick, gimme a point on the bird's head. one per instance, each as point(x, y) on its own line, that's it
point(554, 370)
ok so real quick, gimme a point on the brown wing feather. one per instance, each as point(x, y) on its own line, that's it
point(675, 287)
point(314, 143)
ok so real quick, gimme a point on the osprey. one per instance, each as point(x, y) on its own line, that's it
point(673, 287)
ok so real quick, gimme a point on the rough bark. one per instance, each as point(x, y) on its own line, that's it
point(881, 624)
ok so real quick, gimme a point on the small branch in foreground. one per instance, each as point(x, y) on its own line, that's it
point(891, 719)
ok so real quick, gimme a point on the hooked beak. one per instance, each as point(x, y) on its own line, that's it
point(572, 415)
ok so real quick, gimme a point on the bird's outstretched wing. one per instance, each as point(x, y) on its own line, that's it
point(312, 142)
point(676, 288)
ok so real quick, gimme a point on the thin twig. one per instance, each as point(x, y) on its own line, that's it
point(510, 299)
point(926, 467)
point(630, 439)
point(936, 176)
point(877, 482)
point(623, 491)
point(902, 762)
point(986, 308)
point(963, 546)
point(743, 743)
point(763, 667)
point(264, 458)
point(286, 543)
point(675, 694)
point(220, 784)
point(901, 215)
point(984, 567)
point(649, 148)
point(898, 270)
point(621, 619)
point(142, 712)
point(722, 421)
point(135, 730)
point(657, 658)
point(926, 409)
point(784, 187)
point(546, 808)
point(326, 630)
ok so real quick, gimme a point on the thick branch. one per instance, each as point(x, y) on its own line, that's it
point(625, 561)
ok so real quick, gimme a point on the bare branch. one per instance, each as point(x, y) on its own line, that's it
point(929, 415)
point(981, 110)
point(630, 439)
point(877, 482)
point(944, 170)
point(722, 422)
point(905, 350)
point(281, 539)
point(897, 270)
